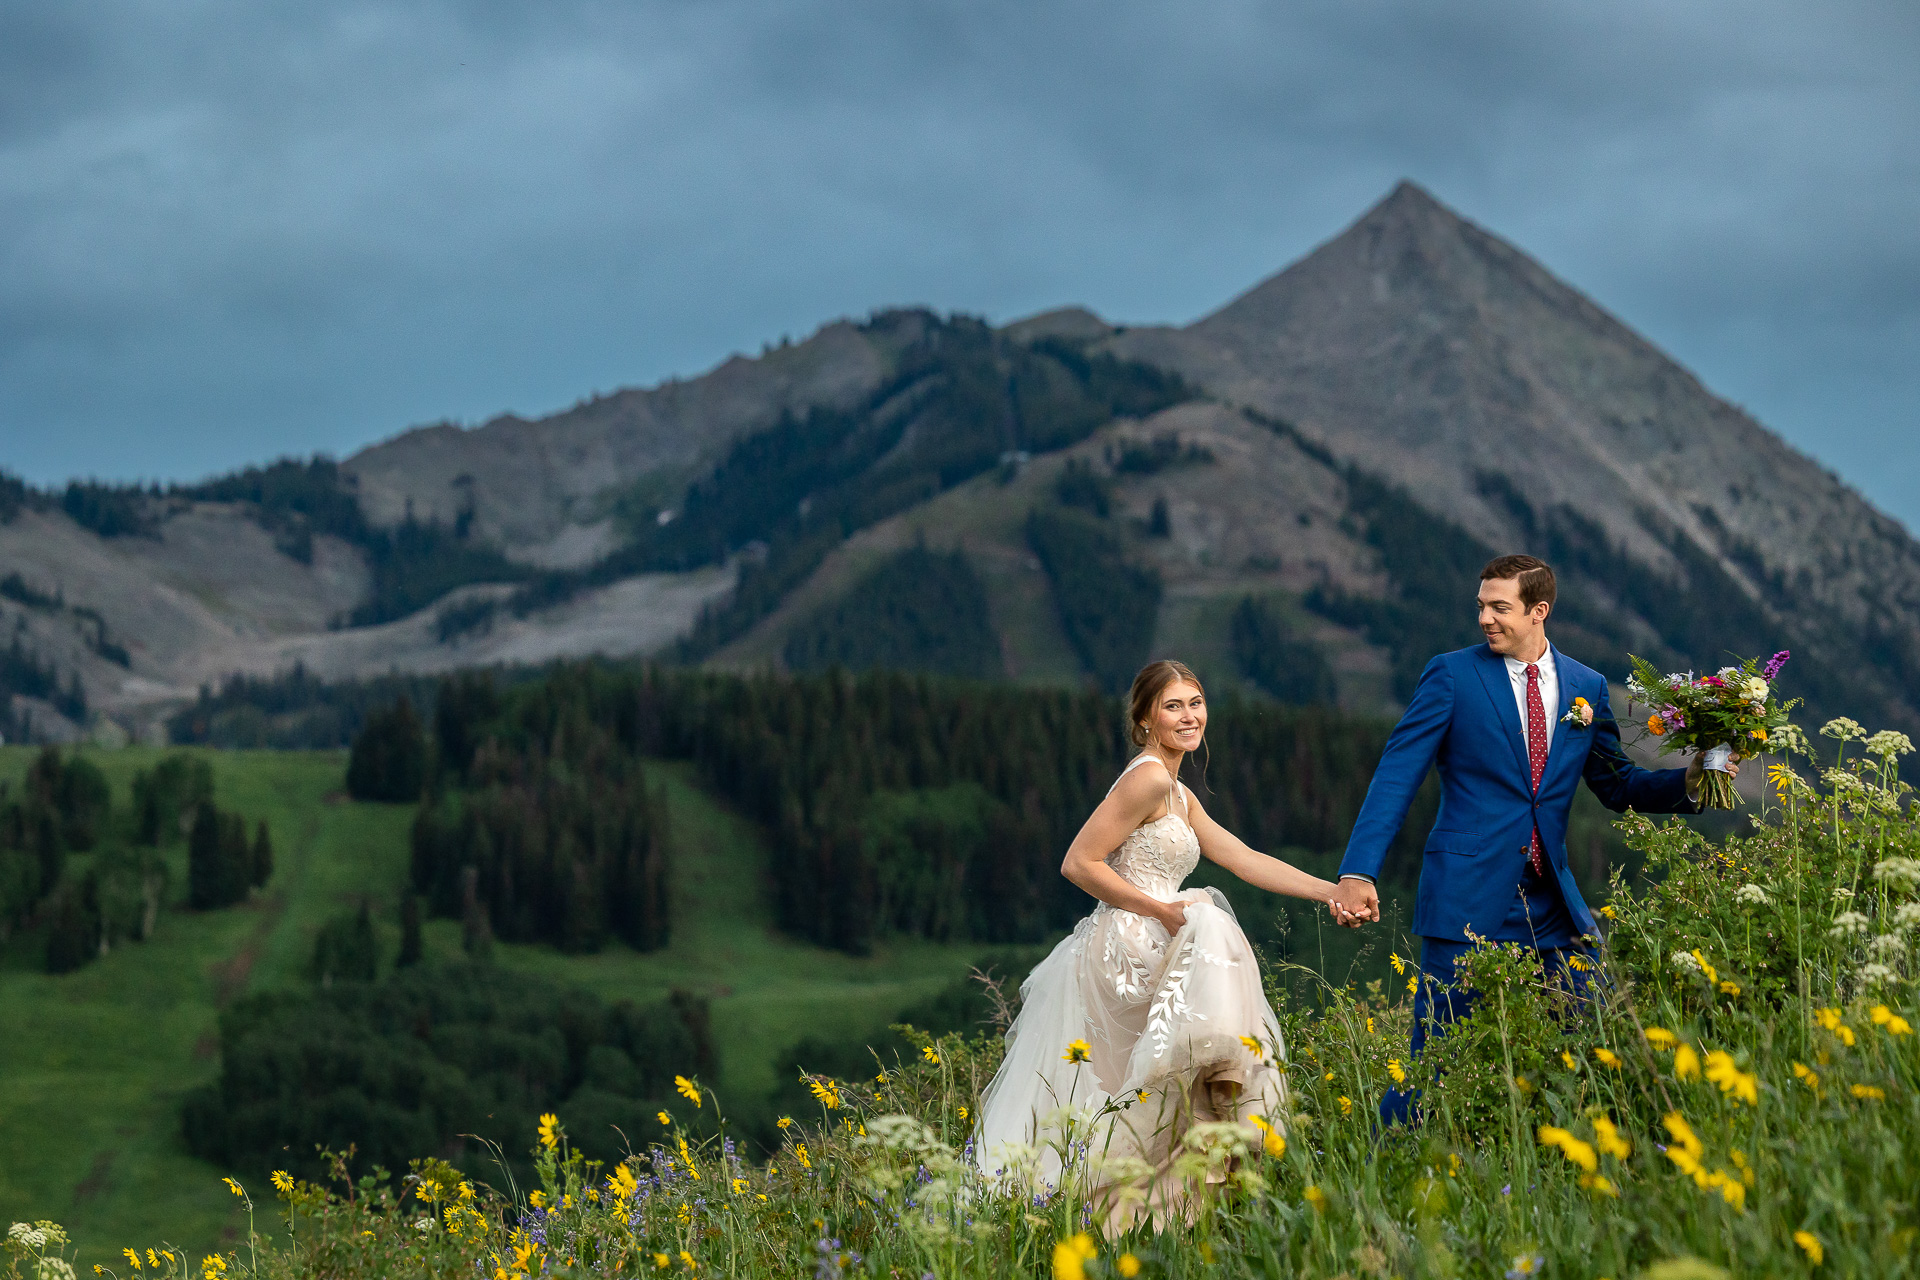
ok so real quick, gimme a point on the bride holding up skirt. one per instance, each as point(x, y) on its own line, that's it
point(1150, 1017)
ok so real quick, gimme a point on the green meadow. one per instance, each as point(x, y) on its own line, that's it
point(94, 1063)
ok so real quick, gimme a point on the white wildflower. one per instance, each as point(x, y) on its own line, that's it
point(1848, 924)
point(30, 1237)
point(1888, 743)
point(1842, 782)
point(1898, 873)
point(1752, 893)
point(1873, 974)
point(1842, 728)
point(1789, 738)
point(1684, 960)
point(1907, 916)
point(1843, 894)
point(423, 1224)
point(1888, 944)
point(53, 1269)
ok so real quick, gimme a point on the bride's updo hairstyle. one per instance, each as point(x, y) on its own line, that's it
point(1147, 688)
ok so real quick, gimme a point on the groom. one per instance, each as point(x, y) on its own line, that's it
point(1514, 726)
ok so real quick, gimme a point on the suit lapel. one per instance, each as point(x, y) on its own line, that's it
point(1499, 686)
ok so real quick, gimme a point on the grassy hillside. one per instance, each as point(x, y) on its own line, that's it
point(96, 1061)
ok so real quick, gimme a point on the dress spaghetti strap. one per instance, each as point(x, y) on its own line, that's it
point(1174, 786)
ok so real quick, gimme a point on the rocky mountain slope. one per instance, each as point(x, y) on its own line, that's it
point(1314, 472)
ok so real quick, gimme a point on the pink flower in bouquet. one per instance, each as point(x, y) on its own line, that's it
point(1673, 717)
point(1711, 681)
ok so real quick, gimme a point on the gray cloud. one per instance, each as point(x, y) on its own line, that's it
point(230, 231)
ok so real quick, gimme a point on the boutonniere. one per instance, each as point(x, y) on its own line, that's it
point(1580, 713)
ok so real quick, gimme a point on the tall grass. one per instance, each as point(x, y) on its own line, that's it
point(1739, 1098)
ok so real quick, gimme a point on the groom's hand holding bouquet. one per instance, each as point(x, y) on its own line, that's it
point(1722, 717)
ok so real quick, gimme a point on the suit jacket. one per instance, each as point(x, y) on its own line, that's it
point(1463, 717)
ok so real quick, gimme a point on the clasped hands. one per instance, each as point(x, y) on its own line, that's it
point(1354, 902)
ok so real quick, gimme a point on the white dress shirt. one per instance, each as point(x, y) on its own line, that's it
point(1549, 693)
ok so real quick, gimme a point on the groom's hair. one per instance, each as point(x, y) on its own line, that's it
point(1536, 577)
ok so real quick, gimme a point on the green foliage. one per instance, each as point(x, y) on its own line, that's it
point(919, 611)
point(389, 757)
point(558, 840)
point(1079, 486)
point(344, 950)
point(23, 674)
point(219, 863)
point(1268, 653)
point(168, 795)
point(294, 710)
point(442, 1058)
point(1162, 452)
point(1108, 605)
point(415, 563)
point(112, 511)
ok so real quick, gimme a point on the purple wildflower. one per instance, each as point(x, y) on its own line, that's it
point(1675, 718)
point(1774, 664)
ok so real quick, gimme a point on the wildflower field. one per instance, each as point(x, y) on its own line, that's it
point(1740, 1100)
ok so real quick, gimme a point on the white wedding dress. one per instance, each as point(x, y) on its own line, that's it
point(1166, 1020)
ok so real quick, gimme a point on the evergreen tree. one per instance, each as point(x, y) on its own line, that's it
point(344, 950)
point(217, 859)
point(389, 757)
point(260, 861)
point(411, 945)
point(74, 936)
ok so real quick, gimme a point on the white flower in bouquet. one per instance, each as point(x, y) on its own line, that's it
point(1888, 944)
point(1848, 924)
point(1755, 690)
point(1874, 974)
point(1752, 893)
point(1898, 873)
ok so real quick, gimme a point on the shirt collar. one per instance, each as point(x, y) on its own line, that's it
point(1518, 669)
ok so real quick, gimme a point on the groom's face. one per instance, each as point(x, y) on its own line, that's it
point(1509, 626)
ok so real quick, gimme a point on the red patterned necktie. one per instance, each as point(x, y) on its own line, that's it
point(1536, 756)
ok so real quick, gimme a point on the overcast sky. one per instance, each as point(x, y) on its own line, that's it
point(232, 231)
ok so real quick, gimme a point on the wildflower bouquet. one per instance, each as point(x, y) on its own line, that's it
point(1732, 711)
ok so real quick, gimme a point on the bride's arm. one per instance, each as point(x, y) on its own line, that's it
point(1126, 807)
point(1262, 871)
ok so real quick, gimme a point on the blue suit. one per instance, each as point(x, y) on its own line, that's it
point(1463, 718)
point(1474, 873)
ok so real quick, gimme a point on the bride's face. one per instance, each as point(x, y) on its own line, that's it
point(1179, 717)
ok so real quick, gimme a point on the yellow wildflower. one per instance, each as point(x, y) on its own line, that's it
point(1328, 1076)
point(1713, 975)
point(800, 1151)
point(1071, 1256)
point(549, 1130)
point(1579, 963)
point(1395, 1070)
point(686, 1089)
point(661, 1261)
point(212, 1267)
point(1271, 1141)
point(1399, 965)
point(1346, 1104)
point(963, 1113)
point(1743, 1085)
point(927, 1052)
point(281, 1182)
point(664, 1117)
point(686, 1157)
point(1609, 912)
point(133, 1259)
point(1830, 1019)
point(1893, 1022)
point(1523, 1084)
point(1369, 1024)
point(740, 1186)
point(1575, 1149)
point(1807, 1075)
point(1686, 1063)
point(1080, 1051)
point(625, 1185)
point(784, 1122)
point(825, 1091)
point(1729, 987)
point(1573, 1063)
point(1413, 986)
point(687, 1258)
point(1732, 1190)
point(1810, 1245)
point(1607, 1137)
point(523, 1256)
point(1254, 1047)
point(1871, 1093)
point(1599, 1185)
point(234, 1187)
point(1607, 1058)
point(537, 1199)
point(1316, 1197)
point(1682, 1134)
point(1660, 1037)
point(1127, 1265)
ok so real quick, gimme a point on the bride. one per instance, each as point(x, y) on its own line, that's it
point(1150, 1017)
